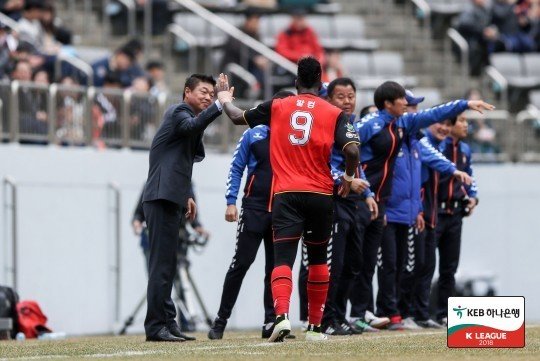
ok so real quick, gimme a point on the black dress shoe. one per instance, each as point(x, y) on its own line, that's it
point(174, 329)
point(164, 335)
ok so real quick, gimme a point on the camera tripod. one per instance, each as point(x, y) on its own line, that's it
point(183, 285)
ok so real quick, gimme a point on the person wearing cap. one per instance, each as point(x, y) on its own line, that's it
point(399, 247)
point(382, 135)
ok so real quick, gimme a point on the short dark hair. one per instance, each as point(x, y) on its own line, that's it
point(194, 79)
point(309, 73)
point(283, 94)
point(33, 4)
point(342, 82)
point(154, 64)
point(453, 120)
point(389, 90)
point(127, 52)
point(365, 110)
point(135, 45)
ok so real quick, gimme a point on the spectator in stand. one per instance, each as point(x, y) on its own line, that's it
point(481, 135)
point(142, 111)
point(55, 35)
point(156, 72)
point(30, 28)
point(70, 113)
point(511, 23)
point(299, 39)
point(8, 44)
point(534, 13)
point(121, 63)
point(32, 120)
point(41, 76)
point(105, 111)
point(236, 52)
point(12, 8)
point(473, 25)
point(333, 68)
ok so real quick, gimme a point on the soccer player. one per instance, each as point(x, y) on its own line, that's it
point(425, 269)
point(381, 134)
point(303, 130)
point(456, 200)
point(350, 216)
point(400, 248)
point(254, 223)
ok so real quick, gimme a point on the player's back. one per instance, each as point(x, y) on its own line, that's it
point(301, 139)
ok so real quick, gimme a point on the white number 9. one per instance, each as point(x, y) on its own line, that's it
point(301, 121)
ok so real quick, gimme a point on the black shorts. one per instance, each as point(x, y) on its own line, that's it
point(301, 213)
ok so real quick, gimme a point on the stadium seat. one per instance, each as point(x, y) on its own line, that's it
point(512, 67)
point(351, 30)
point(363, 99)
point(325, 29)
point(447, 7)
point(90, 54)
point(534, 98)
point(532, 65)
point(369, 70)
point(432, 97)
point(205, 33)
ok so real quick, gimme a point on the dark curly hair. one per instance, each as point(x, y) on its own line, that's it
point(309, 73)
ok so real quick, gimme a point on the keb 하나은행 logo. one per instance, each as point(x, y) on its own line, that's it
point(486, 322)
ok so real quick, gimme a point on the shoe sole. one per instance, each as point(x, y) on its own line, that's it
point(380, 324)
point(214, 336)
point(316, 338)
point(281, 330)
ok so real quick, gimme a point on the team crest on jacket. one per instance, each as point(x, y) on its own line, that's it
point(400, 133)
point(464, 159)
point(415, 153)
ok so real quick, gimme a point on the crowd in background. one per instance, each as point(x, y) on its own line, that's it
point(499, 26)
point(30, 55)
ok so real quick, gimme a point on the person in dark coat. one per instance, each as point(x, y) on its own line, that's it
point(167, 196)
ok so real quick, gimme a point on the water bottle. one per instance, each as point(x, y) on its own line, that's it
point(20, 336)
point(52, 336)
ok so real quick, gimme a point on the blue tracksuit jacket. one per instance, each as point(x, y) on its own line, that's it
point(253, 152)
point(381, 136)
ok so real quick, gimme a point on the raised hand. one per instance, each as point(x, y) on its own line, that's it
point(224, 93)
point(479, 106)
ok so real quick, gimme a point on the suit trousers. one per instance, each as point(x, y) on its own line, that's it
point(163, 219)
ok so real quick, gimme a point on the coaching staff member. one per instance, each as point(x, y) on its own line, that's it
point(167, 197)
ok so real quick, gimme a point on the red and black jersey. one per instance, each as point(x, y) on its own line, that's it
point(303, 130)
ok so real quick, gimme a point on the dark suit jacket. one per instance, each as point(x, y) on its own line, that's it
point(176, 146)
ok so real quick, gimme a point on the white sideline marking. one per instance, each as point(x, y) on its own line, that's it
point(224, 347)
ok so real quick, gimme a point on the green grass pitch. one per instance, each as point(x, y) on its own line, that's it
point(399, 345)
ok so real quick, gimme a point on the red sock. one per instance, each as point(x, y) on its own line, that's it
point(281, 288)
point(317, 289)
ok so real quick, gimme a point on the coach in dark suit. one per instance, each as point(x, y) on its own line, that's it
point(167, 197)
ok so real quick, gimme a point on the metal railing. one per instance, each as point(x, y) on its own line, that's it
point(424, 15)
point(103, 117)
point(498, 83)
point(9, 22)
point(454, 38)
point(117, 265)
point(10, 185)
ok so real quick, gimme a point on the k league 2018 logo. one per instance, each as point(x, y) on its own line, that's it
point(486, 322)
